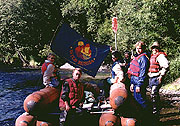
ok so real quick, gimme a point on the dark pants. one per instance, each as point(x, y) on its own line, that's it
point(106, 87)
point(155, 98)
point(140, 97)
point(145, 113)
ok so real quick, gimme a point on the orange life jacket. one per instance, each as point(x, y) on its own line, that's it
point(154, 65)
point(76, 94)
point(134, 67)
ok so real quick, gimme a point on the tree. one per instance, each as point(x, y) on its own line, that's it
point(149, 21)
point(26, 26)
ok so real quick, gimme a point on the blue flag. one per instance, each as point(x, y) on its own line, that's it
point(78, 51)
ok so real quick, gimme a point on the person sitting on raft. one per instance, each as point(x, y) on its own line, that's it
point(49, 72)
point(71, 100)
point(117, 74)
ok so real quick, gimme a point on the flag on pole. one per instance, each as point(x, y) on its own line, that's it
point(78, 51)
point(114, 24)
point(115, 28)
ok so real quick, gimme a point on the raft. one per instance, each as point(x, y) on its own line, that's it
point(40, 101)
point(109, 119)
point(25, 120)
point(117, 97)
point(41, 108)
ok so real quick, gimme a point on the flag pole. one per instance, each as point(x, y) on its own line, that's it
point(115, 42)
point(114, 28)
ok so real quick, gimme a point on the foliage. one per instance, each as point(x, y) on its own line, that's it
point(86, 16)
point(44, 52)
point(28, 27)
point(142, 20)
point(174, 69)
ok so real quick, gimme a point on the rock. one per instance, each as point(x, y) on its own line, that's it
point(67, 66)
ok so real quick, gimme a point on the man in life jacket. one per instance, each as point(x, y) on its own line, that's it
point(117, 74)
point(71, 99)
point(157, 70)
point(49, 72)
point(137, 72)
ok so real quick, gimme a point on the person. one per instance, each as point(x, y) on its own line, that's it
point(71, 99)
point(127, 60)
point(157, 70)
point(137, 73)
point(117, 74)
point(49, 72)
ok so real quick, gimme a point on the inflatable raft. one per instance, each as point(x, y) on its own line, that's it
point(40, 105)
point(37, 107)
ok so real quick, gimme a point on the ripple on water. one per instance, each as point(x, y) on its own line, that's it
point(14, 88)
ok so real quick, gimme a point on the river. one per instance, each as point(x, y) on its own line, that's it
point(14, 88)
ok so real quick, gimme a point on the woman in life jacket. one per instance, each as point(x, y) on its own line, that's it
point(137, 72)
point(49, 72)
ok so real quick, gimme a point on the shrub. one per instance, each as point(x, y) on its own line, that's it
point(174, 70)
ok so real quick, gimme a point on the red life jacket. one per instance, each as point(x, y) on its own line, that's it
point(44, 68)
point(134, 66)
point(75, 94)
point(154, 65)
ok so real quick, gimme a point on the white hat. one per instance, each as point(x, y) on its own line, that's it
point(155, 44)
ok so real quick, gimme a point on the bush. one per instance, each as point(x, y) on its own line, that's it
point(174, 70)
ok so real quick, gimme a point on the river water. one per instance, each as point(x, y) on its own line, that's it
point(14, 88)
